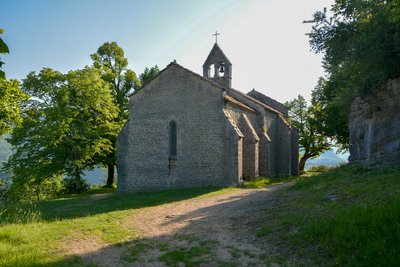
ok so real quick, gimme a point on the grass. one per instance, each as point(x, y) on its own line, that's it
point(192, 252)
point(33, 235)
point(264, 181)
point(349, 216)
point(192, 256)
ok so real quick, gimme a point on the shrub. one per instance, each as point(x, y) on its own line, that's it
point(69, 186)
point(319, 168)
point(28, 190)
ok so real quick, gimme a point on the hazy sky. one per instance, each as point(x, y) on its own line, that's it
point(265, 40)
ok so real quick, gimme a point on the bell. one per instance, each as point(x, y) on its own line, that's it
point(221, 68)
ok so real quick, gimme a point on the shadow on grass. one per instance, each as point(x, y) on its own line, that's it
point(103, 201)
point(205, 235)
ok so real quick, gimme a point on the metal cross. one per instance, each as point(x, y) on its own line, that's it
point(216, 36)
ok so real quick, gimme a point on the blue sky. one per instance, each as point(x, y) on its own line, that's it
point(264, 39)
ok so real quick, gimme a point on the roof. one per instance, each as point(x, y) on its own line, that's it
point(216, 49)
point(174, 64)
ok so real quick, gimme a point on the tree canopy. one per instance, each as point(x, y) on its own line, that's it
point(305, 119)
point(3, 50)
point(148, 75)
point(67, 123)
point(360, 41)
point(11, 97)
point(110, 60)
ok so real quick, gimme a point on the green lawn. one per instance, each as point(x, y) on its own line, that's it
point(349, 216)
point(33, 235)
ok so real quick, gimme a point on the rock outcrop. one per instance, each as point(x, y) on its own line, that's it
point(374, 125)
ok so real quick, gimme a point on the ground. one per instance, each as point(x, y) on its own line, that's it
point(348, 216)
point(210, 231)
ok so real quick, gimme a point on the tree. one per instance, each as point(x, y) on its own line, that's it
point(360, 41)
point(305, 118)
point(3, 50)
point(11, 97)
point(148, 75)
point(110, 60)
point(67, 123)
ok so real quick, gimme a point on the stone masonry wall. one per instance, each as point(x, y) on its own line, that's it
point(374, 125)
point(197, 108)
point(294, 146)
point(282, 149)
point(250, 148)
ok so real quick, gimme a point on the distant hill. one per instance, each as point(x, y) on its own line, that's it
point(5, 153)
point(95, 176)
point(329, 158)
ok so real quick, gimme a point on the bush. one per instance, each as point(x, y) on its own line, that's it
point(28, 190)
point(3, 190)
point(69, 186)
point(319, 168)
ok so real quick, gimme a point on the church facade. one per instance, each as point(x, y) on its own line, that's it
point(187, 130)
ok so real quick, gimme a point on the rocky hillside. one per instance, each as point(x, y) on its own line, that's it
point(374, 125)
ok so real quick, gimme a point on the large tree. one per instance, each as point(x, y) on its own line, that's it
point(110, 60)
point(305, 118)
point(67, 123)
point(11, 97)
point(360, 41)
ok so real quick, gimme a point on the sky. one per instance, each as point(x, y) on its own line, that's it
point(264, 39)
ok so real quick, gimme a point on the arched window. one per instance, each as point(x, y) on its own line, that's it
point(172, 139)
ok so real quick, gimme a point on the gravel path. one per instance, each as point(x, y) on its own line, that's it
point(221, 229)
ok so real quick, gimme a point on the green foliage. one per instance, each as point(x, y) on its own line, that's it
point(11, 98)
point(3, 50)
point(110, 60)
point(24, 190)
point(360, 41)
point(3, 191)
point(148, 75)
point(69, 186)
point(306, 119)
point(67, 124)
point(319, 168)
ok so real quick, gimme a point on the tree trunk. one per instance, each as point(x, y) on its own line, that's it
point(78, 180)
point(302, 163)
point(110, 176)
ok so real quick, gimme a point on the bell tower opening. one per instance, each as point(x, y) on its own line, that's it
point(217, 67)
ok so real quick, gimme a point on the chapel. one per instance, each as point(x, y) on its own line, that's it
point(187, 130)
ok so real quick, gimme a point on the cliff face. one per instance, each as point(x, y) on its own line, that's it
point(374, 125)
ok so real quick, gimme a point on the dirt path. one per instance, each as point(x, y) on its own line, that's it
point(210, 231)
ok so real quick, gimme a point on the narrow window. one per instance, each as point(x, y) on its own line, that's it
point(172, 139)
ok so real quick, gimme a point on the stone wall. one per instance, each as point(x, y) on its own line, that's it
point(222, 135)
point(374, 125)
point(294, 146)
point(196, 106)
point(250, 148)
point(282, 149)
